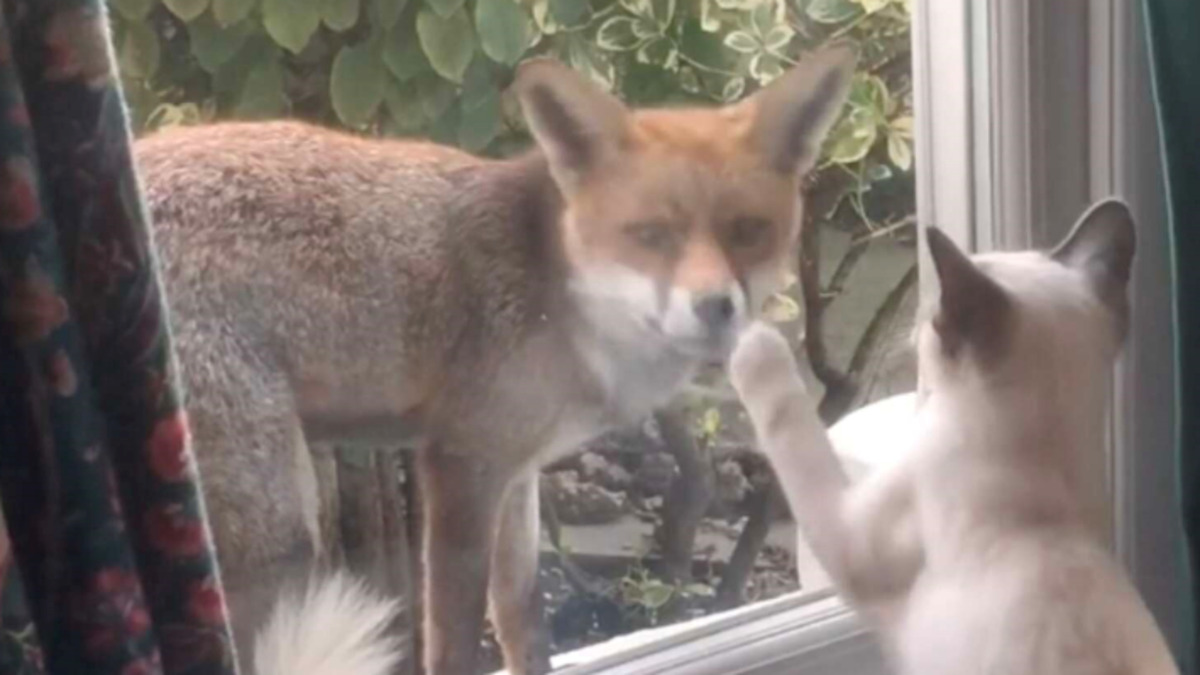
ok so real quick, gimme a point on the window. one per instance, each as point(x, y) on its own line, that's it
point(1017, 114)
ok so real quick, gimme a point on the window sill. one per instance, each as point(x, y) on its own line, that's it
point(812, 632)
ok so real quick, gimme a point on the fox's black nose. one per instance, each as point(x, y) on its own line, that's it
point(714, 310)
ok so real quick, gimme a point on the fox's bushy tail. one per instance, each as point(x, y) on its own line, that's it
point(336, 627)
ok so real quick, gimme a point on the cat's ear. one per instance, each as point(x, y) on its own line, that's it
point(973, 310)
point(1101, 245)
point(793, 114)
point(576, 123)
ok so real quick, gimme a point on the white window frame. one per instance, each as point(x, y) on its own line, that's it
point(1026, 112)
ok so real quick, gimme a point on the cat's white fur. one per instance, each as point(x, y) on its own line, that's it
point(983, 548)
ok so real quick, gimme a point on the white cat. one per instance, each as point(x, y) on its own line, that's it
point(982, 548)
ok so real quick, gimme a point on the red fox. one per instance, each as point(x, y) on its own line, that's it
point(325, 286)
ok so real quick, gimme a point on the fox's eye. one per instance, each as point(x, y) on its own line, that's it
point(653, 236)
point(746, 232)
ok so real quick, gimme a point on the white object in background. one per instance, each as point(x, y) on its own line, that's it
point(875, 434)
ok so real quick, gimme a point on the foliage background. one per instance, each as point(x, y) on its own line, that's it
point(441, 69)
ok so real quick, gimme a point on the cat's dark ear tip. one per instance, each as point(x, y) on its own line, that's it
point(936, 239)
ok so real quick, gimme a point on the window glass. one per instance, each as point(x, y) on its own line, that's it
point(666, 519)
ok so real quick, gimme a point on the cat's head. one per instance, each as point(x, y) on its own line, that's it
point(1057, 316)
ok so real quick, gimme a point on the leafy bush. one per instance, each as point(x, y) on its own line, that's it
point(440, 68)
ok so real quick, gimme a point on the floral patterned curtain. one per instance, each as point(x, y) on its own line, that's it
point(105, 558)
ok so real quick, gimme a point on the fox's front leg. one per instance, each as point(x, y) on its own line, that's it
point(516, 606)
point(462, 494)
point(764, 372)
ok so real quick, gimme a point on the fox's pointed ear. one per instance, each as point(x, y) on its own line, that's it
point(576, 124)
point(793, 114)
point(972, 309)
point(1101, 245)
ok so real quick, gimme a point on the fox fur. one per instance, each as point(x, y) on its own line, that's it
point(330, 287)
point(982, 548)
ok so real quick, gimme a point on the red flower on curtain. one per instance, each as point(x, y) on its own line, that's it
point(111, 611)
point(18, 193)
point(34, 308)
point(206, 603)
point(173, 532)
point(167, 449)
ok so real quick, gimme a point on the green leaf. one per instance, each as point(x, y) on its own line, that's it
point(449, 42)
point(585, 56)
point(853, 137)
point(660, 52)
point(479, 122)
point(168, 115)
point(646, 29)
point(385, 13)
point(435, 95)
point(134, 10)
point(872, 6)
point(656, 594)
point(742, 42)
point(505, 30)
point(140, 52)
point(705, 48)
point(902, 126)
point(617, 35)
point(356, 84)
point(710, 424)
point(186, 9)
point(229, 12)
point(778, 37)
point(689, 81)
point(870, 92)
point(781, 308)
point(230, 78)
point(340, 15)
point(733, 89)
point(645, 84)
point(291, 23)
point(445, 8)
point(262, 95)
point(710, 17)
point(404, 109)
point(547, 23)
point(570, 13)
point(877, 173)
point(663, 11)
point(403, 56)
point(703, 590)
point(900, 152)
point(660, 12)
point(832, 11)
point(637, 7)
point(212, 45)
point(765, 15)
point(765, 68)
point(445, 126)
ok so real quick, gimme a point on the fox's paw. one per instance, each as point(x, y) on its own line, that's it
point(762, 357)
